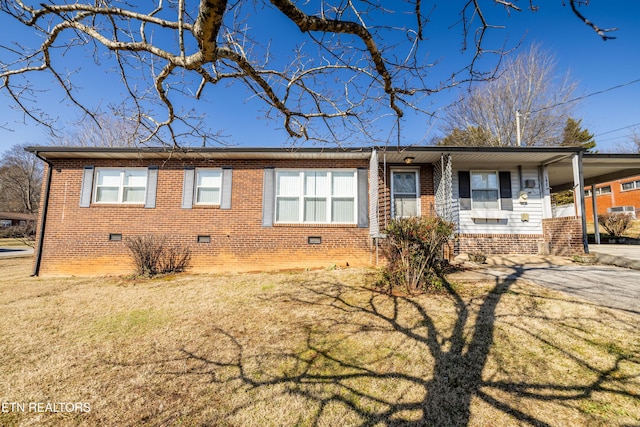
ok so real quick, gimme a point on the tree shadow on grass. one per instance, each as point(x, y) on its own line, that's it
point(332, 368)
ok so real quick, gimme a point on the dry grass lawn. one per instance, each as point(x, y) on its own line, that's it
point(308, 349)
point(16, 242)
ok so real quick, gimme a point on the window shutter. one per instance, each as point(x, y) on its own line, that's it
point(268, 197)
point(87, 187)
point(363, 200)
point(187, 188)
point(464, 190)
point(152, 187)
point(225, 196)
point(506, 201)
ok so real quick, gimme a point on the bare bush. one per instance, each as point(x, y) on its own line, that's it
point(175, 259)
point(413, 250)
point(152, 255)
point(615, 223)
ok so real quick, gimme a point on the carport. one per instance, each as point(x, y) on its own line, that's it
point(586, 170)
point(561, 168)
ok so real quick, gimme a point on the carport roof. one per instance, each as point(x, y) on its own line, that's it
point(596, 168)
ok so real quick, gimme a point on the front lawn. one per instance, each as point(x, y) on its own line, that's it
point(314, 348)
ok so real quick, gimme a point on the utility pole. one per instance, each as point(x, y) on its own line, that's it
point(518, 140)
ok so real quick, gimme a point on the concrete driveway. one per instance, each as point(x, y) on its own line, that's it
point(605, 285)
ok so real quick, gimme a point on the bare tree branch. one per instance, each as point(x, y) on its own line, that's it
point(347, 69)
point(602, 32)
point(528, 86)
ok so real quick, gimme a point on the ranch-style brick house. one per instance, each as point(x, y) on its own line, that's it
point(247, 209)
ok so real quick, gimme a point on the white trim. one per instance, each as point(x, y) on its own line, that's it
point(488, 214)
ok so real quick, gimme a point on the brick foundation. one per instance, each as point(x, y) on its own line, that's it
point(525, 244)
point(561, 236)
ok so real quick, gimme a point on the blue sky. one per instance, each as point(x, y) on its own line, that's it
point(596, 65)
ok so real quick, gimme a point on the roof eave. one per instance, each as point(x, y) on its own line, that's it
point(195, 153)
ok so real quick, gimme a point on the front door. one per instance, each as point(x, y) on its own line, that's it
point(405, 193)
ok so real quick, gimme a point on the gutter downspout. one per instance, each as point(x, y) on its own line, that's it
point(43, 220)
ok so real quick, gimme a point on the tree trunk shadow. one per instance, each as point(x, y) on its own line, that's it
point(324, 376)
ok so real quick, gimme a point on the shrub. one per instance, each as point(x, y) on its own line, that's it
point(175, 259)
point(413, 248)
point(152, 255)
point(615, 223)
point(26, 231)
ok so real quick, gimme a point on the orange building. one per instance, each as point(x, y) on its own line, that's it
point(622, 195)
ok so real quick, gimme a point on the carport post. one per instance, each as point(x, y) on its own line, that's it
point(594, 204)
point(578, 181)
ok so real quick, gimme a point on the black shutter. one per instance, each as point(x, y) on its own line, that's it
point(464, 190)
point(506, 201)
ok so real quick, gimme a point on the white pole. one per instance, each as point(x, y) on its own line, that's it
point(518, 141)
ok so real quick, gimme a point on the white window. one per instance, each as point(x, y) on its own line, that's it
point(405, 193)
point(120, 185)
point(603, 190)
point(631, 185)
point(316, 196)
point(485, 192)
point(599, 191)
point(208, 184)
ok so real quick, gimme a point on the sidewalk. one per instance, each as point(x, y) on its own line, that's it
point(503, 265)
point(15, 251)
point(627, 256)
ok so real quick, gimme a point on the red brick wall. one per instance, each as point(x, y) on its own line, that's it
point(564, 235)
point(77, 239)
point(489, 244)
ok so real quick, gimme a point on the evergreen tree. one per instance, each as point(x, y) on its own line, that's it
point(575, 136)
point(472, 136)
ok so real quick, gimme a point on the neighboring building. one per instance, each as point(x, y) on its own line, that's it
point(622, 195)
point(15, 219)
point(257, 209)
